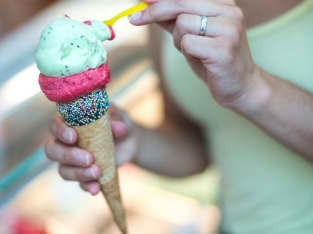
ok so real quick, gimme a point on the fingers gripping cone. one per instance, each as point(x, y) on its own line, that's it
point(97, 138)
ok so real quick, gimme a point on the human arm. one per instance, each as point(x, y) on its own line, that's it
point(171, 150)
point(281, 109)
point(222, 59)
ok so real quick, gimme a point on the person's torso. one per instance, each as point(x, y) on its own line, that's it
point(265, 187)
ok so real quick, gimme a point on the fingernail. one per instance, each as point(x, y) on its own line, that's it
point(68, 135)
point(90, 172)
point(93, 190)
point(135, 17)
point(83, 158)
point(87, 160)
point(79, 157)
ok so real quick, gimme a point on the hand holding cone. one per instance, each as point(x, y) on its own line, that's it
point(77, 85)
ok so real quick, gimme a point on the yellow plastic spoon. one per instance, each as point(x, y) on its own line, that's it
point(127, 12)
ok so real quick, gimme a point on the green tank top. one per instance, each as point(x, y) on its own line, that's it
point(265, 188)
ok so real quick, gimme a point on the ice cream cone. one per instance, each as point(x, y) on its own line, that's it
point(73, 73)
point(97, 138)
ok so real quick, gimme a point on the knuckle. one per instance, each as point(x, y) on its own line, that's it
point(60, 133)
point(181, 21)
point(69, 155)
point(186, 43)
point(49, 150)
point(228, 51)
point(180, 3)
point(78, 174)
point(238, 14)
point(234, 32)
point(81, 175)
point(152, 12)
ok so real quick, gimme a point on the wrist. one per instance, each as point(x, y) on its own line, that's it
point(257, 94)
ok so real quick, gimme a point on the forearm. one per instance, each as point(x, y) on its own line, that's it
point(170, 152)
point(281, 109)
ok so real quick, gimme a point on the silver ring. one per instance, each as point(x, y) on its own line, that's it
point(204, 25)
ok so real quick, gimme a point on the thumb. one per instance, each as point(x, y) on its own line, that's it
point(119, 129)
point(166, 25)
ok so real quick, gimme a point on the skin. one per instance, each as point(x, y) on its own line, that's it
point(222, 60)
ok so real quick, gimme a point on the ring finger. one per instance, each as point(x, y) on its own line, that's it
point(191, 24)
point(79, 174)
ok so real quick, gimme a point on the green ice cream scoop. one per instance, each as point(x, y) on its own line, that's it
point(68, 47)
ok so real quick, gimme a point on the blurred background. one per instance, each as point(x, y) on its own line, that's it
point(33, 198)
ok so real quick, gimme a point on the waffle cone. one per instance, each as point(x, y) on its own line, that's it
point(97, 138)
